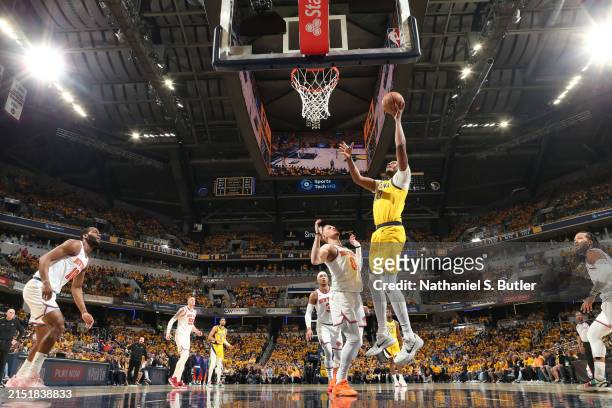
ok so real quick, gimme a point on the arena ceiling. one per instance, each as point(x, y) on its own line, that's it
point(114, 72)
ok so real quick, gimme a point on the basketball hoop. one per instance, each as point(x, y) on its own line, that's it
point(315, 86)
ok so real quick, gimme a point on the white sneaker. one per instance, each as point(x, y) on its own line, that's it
point(382, 342)
point(595, 386)
point(409, 350)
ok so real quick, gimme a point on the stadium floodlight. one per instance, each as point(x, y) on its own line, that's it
point(465, 72)
point(44, 63)
point(504, 124)
point(477, 47)
point(598, 43)
point(135, 135)
point(169, 83)
point(79, 109)
point(7, 29)
point(179, 104)
point(557, 101)
point(476, 239)
point(67, 96)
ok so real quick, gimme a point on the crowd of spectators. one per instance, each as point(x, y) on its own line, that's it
point(570, 200)
point(66, 205)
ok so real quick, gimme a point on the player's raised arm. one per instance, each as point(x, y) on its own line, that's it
point(318, 254)
point(365, 182)
point(178, 314)
point(312, 301)
point(70, 247)
point(77, 295)
point(357, 245)
point(400, 139)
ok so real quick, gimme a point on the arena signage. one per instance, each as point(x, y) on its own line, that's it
point(236, 311)
point(103, 300)
point(66, 372)
point(16, 99)
point(308, 185)
point(278, 310)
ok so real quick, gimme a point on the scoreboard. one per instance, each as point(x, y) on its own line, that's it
point(234, 186)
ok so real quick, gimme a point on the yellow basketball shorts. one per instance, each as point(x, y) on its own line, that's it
point(393, 350)
point(387, 243)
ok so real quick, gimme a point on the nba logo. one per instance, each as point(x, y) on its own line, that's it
point(394, 38)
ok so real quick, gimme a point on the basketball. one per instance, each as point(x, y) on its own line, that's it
point(391, 100)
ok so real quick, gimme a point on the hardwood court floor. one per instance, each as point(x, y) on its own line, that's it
point(315, 396)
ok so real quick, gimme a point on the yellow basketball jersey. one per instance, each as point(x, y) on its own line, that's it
point(219, 340)
point(392, 327)
point(389, 202)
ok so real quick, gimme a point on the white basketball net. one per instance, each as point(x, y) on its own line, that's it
point(315, 86)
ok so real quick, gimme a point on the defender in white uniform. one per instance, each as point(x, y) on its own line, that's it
point(185, 317)
point(57, 267)
point(329, 336)
point(347, 310)
point(599, 267)
point(582, 328)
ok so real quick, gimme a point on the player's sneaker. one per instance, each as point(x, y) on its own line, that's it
point(409, 350)
point(382, 342)
point(220, 385)
point(595, 386)
point(402, 382)
point(33, 381)
point(343, 389)
point(174, 382)
point(14, 382)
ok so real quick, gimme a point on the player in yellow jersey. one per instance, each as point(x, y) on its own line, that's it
point(387, 243)
point(393, 350)
point(218, 339)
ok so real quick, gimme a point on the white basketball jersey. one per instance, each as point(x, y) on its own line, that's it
point(345, 270)
point(62, 271)
point(184, 324)
point(323, 307)
point(601, 274)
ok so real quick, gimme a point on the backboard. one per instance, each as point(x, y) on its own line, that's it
point(266, 34)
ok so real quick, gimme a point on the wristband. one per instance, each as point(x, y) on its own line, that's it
point(357, 247)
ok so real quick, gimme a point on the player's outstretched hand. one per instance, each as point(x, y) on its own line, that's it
point(399, 109)
point(198, 333)
point(309, 334)
point(318, 226)
point(587, 305)
point(346, 150)
point(353, 240)
point(167, 336)
point(88, 319)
